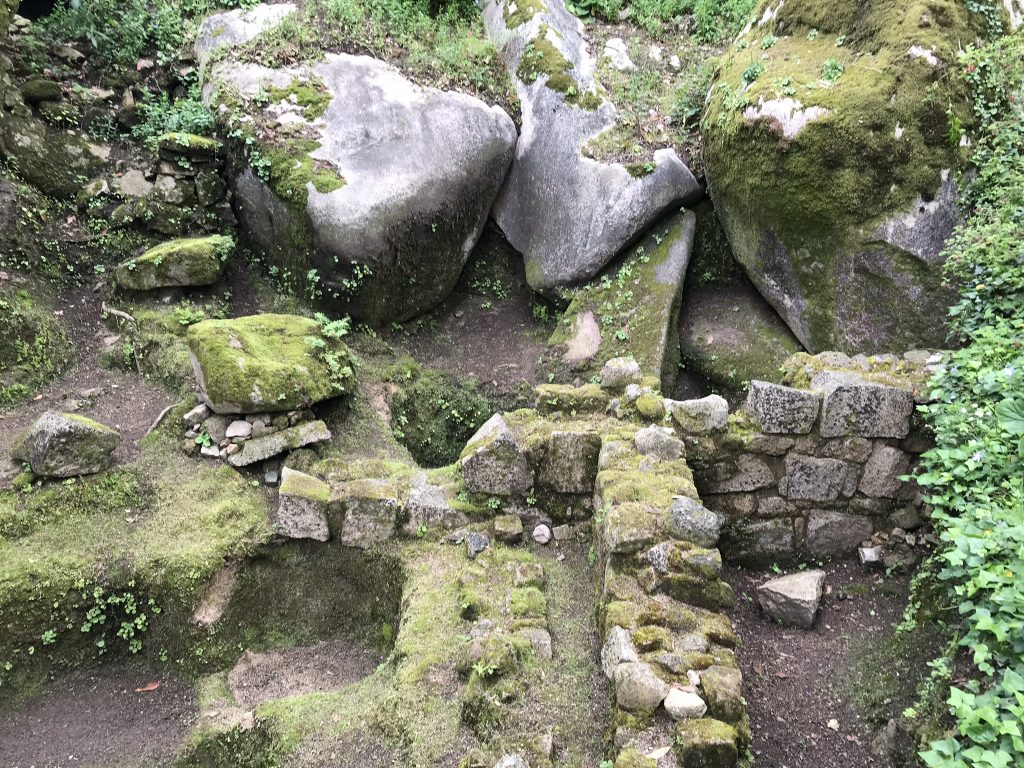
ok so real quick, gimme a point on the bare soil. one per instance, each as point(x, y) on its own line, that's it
point(100, 719)
point(796, 681)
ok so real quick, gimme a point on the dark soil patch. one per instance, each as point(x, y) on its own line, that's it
point(122, 400)
point(99, 719)
point(797, 681)
point(262, 677)
point(486, 328)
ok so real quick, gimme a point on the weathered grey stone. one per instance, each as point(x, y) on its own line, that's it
point(611, 452)
point(511, 761)
point(882, 472)
point(405, 177)
point(428, 506)
point(813, 479)
point(855, 449)
point(637, 688)
point(302, 505)
point(620, 371)
point(853, 406)
point(541, 534)
point(793, 599)
point(568, 214)
point(706, 414)
point(659, 442)
point(508, 529)
point(65, 445)
point(776, 506)
point(759, 539)
point(779, 410)
point(494, 462)
point(618, 649)
point(773, 445)
point(216, 426)
point(197, 415)
point(370, 518)
point(691, 521)
point(570, 461)
point(476, 543)
point(240, 428)
point(233, 28)
point(684, 705)
point(584, 340)
point(835, 533)
point(539, 639)
point(734, 504)
point(262, 448)
point(745, 473)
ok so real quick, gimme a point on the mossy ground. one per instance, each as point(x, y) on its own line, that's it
point(34, 347)
point(150, 535)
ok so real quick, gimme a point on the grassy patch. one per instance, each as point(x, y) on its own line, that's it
point(34, 348)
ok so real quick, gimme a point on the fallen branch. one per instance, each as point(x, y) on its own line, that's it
point(156, 422)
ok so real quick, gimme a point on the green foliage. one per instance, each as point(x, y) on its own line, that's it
point(974, 476)
point(434, 415)
point(714, 21)
point(160, 115)
point(33, 347)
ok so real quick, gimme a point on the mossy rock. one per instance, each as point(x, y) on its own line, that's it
point(34, 348)
point(189, 145)
point(267, 363)
point(182, 263)
point(40, 89)
point(832, 164)
point(57, 163)
point(65, 445)
point(707, 743)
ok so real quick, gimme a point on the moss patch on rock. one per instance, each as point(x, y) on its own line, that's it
point(267, 363)
point(184, 262)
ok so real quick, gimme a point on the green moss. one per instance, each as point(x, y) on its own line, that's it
point(527, 602)
point(434, 414)
point(40, 89)
point(652, 638)
point(525, 10)
point(268, 363)
point(651, 406)
point(157, 531)
point(630, 758)
point(312, 96)
point(189, 144)
point(34, 348)
point(707, 743)
point(589, 398)
point(543, 58)
point(306, 486)
point(183, 262)
point(761, 179)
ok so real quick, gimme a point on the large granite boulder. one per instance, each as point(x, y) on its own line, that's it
point(233, 28)
point(829, 159)
point(569, 214)
point(266, 363)
point(65, 445)
point(366, 186)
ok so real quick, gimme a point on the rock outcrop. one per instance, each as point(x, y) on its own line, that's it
point(569, 214)
point(830, 162)
point(370, 188)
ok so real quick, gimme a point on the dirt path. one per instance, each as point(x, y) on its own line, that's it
point(98, 719)
point(122, 400)
point(486, 327)
point(794, 679)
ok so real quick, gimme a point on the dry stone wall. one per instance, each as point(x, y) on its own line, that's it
point(810, 468)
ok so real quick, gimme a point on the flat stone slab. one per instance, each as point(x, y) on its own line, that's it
point(793, 599)
point(262, 448)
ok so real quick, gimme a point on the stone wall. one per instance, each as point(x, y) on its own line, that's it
point(812, 467)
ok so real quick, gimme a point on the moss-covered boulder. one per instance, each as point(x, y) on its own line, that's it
point(267, 363)
point(65, 445)
point(707, 743)
point(177, 263)
point(831, 142)
point(370, 188)
point(58, 163)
